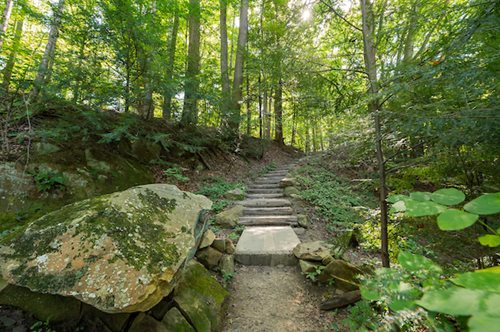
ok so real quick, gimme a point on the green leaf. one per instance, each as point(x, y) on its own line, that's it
point(493, 269)
point(421, 196)
point(452, 220)
point(484, 205)
point(422, 209)
point(461, 301)
point(398, 305)
point(450, 196)
point(396, 198)
point(487, 281)
point(417, 263)
point(483, 323)
point(490, 240)
point(370, 294)
point(399, 206)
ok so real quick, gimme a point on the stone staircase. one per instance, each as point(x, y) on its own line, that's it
point(269, 238)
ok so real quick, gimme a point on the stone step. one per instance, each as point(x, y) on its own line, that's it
point(263, 186)
point(263, 196)
point(267, 211)
point(268, 220)
point(272, 202)
point(276, 173)
point(268, 180)
point(267, 246)
point(265, 191)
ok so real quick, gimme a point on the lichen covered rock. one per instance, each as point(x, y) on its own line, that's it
point(312, 251)
point(201, 298)
point(118, 252)
point(229, 217)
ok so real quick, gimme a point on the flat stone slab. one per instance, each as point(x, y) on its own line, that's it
point(267, 246)
point(271, 202)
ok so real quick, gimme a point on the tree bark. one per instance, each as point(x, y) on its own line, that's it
point(278, 113)
point(410, 35)
point(235, 117)
point(224, 64)
point(249, 109)
point(11, 62)
point(192, 82)
point(169, 90)
point(5, 20)
point(50, 48)
point(370, 59)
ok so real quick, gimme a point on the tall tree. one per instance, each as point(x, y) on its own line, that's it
point(50, 48)
point(192, 82)
point(234, 119)
point(11, 62)
point(169, 90)
point(370, 59)
point(224, 63)
point(5, 20)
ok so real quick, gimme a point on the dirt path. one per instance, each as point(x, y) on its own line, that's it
point(274, 299)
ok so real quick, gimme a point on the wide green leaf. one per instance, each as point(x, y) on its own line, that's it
point(421, 196)
point(399, 206)
point(417, 263)
point(370, 294)
point(490, 240)
point(452, 220)
point(450, 196)
point(484, 205)
point(396, 198)
point(422, 209)
point(461, 301)
point(487, 281)
point(483, 323)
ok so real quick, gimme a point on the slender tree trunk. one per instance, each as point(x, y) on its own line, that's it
point(169, 90)
point(260, 107)
point(224, 63)
point(410, 35)
point(78, 81)
point(294, 129)
point(192, 83)
point(308, 137)
point(269, 115)
point(374, 108)
point(235, 118)
point(5, 20)
point(264, 115)
point(11, 62)
point(147, 109)
point(50, 48)
point(278, 113)
point(249, 109)
point(314, 139)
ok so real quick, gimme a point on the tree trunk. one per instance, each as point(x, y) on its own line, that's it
point(169, 90)
point(294, 129)
point(249, 109)
point(260, 107)
point(369, 52)
point(308, 137)
point(224, 64)
point(192, 83)
point(234, 120)
point(264, 114)
point(410, 35)
point(278, 113)
point(81, 56)
point(50, 48)
point(11, 62)
point(5, 20)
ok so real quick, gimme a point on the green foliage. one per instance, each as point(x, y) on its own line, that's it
point(47, 179)
point(335, 199)
point(215, 188)
point(313, 275)
point(419, 284)
point(41, 327)
point(176, 173)
point(227, 276)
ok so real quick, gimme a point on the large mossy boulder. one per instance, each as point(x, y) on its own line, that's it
point(343, 273)
point(119, 252)
point(201, 298)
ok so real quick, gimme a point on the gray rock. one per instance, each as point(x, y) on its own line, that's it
point(118, 252)
point(307, 266)
point(343, 273)
point(302, 220)
point(174, 321)
point(209, 257)
point(235, 194)
point(313, 251)
point(299, 230)
point(42, 148)
point(207, 239)
point(288, 182)
point(226, 264)
point(230, 247)
point(229, 217)
point(291, 192)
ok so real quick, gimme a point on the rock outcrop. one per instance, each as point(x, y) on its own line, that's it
point(119, 252)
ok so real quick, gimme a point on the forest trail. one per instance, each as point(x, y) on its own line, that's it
point(268, 292)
